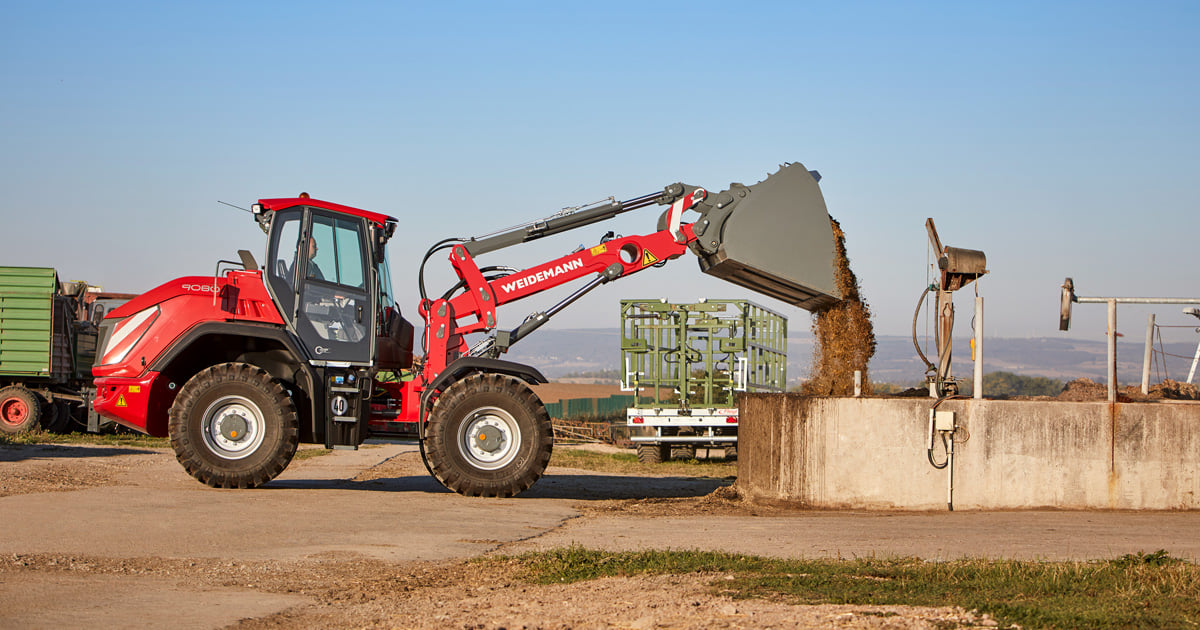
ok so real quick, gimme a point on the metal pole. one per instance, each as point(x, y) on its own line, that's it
point(1195, 360)
point(978, 348)
point(1149, 354)
point(1112, 351)
point(945, 323)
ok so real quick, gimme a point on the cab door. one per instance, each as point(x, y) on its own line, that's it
point(324, 284)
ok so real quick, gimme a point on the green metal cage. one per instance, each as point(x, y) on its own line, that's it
point(700, 355)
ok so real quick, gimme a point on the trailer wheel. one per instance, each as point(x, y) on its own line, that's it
point(653, 453)
point(232, 426)
point(685, 452)
point(488, 435)
point(57, 417)
point(20, 410)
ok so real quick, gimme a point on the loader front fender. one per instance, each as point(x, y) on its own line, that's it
point(269, 347)
point(465, 366)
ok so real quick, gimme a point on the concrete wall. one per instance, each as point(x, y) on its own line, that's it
point(870, 453)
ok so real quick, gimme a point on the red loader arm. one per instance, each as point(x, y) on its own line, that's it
point(478, 301)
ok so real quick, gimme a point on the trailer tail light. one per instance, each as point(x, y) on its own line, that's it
point(127, 334)
point(637, 420)
point(730, 419)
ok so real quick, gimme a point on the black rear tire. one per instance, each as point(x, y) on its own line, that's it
point(233, 426)
point(653, 453)
point(20, 410)
point(488, 435)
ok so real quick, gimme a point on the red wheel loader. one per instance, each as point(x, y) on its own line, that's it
point(240, 367)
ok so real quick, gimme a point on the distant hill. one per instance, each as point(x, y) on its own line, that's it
point(560, 352)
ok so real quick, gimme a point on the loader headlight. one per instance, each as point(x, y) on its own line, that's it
point(127, 334)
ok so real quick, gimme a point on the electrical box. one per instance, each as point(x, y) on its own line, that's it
point(943, 421)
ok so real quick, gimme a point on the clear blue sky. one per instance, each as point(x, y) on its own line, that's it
point(1060, 138)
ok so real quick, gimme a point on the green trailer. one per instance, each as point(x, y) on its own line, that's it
point(47, 348)
point(686, 364)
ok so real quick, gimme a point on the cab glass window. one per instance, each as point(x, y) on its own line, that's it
point(385, 284)
point(335, 253)
point(281, 260)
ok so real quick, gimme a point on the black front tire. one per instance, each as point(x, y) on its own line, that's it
point(488, 435)
point(233, 426)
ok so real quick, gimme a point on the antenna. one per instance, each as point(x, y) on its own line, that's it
point(233, 206)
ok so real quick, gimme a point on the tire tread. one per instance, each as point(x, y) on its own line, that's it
point(439, 448)
point(191, 454)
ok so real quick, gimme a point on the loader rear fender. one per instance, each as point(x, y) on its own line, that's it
point(268, 347)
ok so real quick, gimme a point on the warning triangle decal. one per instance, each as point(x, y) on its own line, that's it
point(648, 258)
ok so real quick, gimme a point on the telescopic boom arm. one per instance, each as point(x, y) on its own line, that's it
point(577, 219)
point(607, 261)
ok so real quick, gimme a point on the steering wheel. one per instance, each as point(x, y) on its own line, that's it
point(345, 314)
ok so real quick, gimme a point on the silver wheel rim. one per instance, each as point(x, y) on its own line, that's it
point(233, 427)
point(489, 438)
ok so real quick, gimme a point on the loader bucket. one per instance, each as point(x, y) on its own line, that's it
point(774, 238)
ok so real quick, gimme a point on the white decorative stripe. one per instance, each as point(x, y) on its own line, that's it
point(125, 328)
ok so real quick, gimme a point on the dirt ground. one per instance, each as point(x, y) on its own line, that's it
point(50, 468)
point(72, 583)
point(366, 593)
point(335, 591)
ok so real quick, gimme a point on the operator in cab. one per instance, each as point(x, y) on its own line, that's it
point(314, 271)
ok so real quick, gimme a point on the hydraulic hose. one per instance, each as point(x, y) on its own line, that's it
point(440, 245)
point(508, 271)
point(945, 449)
point(945, 440)
point(916, 314)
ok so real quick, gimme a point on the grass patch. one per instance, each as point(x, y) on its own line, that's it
point(627, 463)
point(309, 453)
point(1137, 590)
point(96, 439)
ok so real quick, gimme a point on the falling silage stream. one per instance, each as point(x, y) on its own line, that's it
point(844, 336)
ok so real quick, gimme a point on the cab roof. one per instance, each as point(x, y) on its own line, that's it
point(275, 205)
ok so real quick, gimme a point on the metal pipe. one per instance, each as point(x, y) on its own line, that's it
point(1112, 330)
point(1135, 300)
point(945, 328)
point(978, 358)
point(1112, 350)
point(950, 474)
point(1148, 354)
point(1195, 360)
